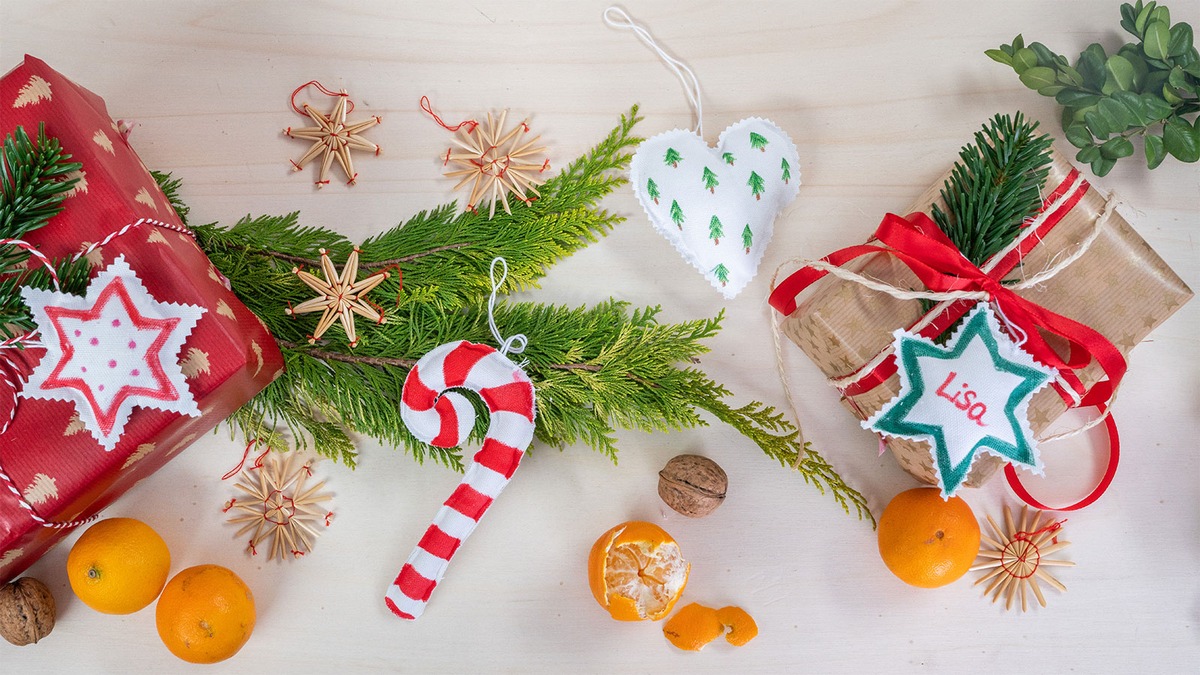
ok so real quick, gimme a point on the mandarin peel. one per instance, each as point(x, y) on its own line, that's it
point(696, 625)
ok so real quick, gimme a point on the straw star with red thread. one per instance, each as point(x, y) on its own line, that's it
point(332, 136)
point(340, 296)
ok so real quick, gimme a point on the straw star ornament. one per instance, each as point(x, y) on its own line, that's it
point(1018, 556)
point(332, 137)
point(278, 508)
point(494, 163)
point(340, 296)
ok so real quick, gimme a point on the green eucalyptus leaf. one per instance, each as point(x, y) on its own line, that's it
point(1018, 43)
point(1133, 103)
point(1116, 148)
point(1102, 166)
point(1160, 14)
point(1158, 40)
point(1119, 117)
point(1193, 69)
point(1078, 135)
point(1155, 81)
point(1140, 68)
point(1045, 56)
point(1070, 76)
point(1156, 108)
point(1098, 124)
point(1155, 154)
point(1176, 78)
point(1181, 39)
point(1143, 17)
point(1024, 59)
point(1170, 96)
point(1038, 77)
point(999, 56)
point(1088, 155)
point(1051, 91)
point(1181, 140)
point(1074, 98)
point(1091, 66)
point(1121, 71)
point(1128, 18)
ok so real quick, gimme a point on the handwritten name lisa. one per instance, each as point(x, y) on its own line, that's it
point(975, 410)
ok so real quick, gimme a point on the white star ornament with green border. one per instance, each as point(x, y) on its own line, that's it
point(969, 396)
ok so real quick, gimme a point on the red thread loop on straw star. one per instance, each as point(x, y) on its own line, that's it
point(324, 90)
point(1029, 536)
point(228, 505)
point(246, 454)
point(427, 107)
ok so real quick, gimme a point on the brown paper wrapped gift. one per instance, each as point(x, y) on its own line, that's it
point(1119, 286)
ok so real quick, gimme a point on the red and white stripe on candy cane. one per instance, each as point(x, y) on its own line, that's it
point(442, 417)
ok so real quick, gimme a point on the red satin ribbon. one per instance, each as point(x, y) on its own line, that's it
point(1110, 471)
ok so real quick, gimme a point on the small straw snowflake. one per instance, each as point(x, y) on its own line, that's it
point(278, 507)
point(495, 163)
point(1018, 556)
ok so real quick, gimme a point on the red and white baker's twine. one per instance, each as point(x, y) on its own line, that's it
point(10, 383)
point(140, 221)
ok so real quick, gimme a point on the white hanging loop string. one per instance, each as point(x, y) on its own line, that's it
point(618, 18)
point(514, 343)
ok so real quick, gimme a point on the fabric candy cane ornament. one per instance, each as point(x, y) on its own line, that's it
point(717, 206)
point(439, 415)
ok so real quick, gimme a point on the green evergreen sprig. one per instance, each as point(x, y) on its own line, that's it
point(595, 368)
point(1147, 85)
point(34, 181)
point(994, 187)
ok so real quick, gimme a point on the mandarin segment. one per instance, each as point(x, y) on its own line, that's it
point(636, 571)
point(927, 541)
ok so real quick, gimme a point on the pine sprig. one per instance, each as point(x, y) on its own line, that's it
point(595, 368)
point(994, 187)
point(34, 181)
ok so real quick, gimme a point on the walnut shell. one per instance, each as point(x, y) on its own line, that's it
point(26, 611)
point(692, 485)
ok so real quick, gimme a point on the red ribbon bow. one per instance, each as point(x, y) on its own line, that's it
point(920, 244)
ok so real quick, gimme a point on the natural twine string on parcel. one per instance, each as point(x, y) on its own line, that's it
point(1055, 265)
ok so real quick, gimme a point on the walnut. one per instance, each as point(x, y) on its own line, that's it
point(692, 485)
point(26, 611)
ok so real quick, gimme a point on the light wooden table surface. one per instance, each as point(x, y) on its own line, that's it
point(878, 96)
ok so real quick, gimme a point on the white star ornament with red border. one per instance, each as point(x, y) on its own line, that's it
point(111, 350)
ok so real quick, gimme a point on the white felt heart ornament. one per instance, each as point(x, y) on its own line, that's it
point(718, 205)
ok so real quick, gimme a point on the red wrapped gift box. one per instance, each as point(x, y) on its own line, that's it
point(62, 472)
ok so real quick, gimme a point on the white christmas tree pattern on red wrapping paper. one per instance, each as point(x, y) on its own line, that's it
point(111, 350)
